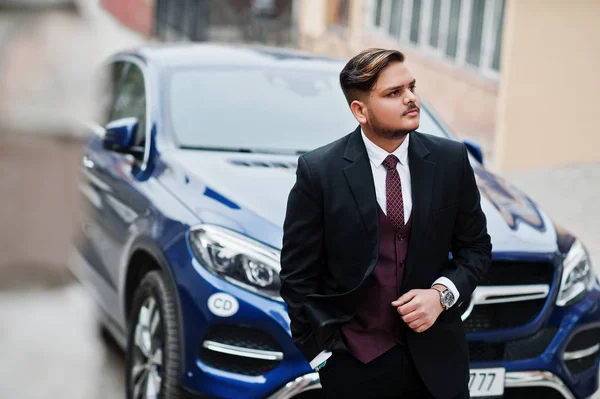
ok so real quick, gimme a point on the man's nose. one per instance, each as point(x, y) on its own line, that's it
point(410, 97)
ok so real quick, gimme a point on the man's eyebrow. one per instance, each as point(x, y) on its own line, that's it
point(401, 86)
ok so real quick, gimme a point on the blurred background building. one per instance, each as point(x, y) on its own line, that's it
point(516, 76)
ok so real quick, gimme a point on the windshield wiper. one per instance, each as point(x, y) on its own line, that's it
point(224, 149)
point(246, 150)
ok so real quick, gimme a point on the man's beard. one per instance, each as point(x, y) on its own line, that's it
point(386, 132)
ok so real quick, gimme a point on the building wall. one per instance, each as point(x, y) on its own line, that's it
point(136, 14)
point(465, 100)
point(548, 102)
point(537, 112)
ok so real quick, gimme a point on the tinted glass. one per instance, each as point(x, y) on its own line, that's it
point(261, 109)
point(131, 100)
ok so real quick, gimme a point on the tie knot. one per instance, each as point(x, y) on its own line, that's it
point(390, 162)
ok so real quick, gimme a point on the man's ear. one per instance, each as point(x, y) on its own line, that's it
point(359, 110)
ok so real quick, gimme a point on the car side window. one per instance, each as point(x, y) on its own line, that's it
point(130, 99)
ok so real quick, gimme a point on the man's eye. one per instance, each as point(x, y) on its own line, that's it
point(412, 88)
point(394, 93)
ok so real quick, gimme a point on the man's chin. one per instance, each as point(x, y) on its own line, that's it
point(412, 126)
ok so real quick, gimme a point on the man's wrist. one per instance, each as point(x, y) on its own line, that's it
point(443, 293)
point(439, 287)
point(446, 283)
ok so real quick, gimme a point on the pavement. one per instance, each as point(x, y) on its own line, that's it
point(51, 347)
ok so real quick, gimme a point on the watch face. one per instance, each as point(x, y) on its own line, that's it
point(448, 298)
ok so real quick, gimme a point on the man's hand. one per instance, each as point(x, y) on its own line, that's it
point(419, 308)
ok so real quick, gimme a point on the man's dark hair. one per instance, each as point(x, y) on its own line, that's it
point(361, 72)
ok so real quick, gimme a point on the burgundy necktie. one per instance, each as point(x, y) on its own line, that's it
point(393, 192)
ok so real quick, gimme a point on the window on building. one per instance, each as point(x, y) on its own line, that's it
point(337, 12)
point(395, 18)
point(499, 22)
point(377, 13)
point(415, 24)
point(434, 37)
point(475, 32)
point(465, 32)
point(453, 25)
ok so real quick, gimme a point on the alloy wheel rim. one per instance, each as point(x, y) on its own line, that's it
point(146, 372)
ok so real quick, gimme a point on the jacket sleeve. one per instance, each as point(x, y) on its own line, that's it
point(471, 244)
point(302, 256)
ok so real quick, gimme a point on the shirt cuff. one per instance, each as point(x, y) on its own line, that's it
point(321, 357)
point(446, 282)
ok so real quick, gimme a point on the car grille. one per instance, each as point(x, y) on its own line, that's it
point(242, 337)
point(236, 364)
point(532, 392)
point(583, 340)
point(577, 366)
point(498, 316)
point(525, 348)
point(502, 315)
point(519, 273)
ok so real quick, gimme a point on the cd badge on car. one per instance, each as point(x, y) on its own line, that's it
point(223, 305)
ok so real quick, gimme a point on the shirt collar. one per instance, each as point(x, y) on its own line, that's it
point(377, 154)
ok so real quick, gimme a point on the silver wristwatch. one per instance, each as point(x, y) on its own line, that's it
point(446, 298)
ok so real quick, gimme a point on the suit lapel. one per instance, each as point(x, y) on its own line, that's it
point(422, 173)
point(360, 179)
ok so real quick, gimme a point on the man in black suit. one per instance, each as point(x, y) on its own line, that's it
point(371, 292)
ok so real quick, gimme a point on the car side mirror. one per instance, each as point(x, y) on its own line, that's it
point(475, 150)
point(119, 136)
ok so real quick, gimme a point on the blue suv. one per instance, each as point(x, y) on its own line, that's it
point(185, 187)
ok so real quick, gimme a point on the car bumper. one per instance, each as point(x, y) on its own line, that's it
point(554, 368)
point(292, 375)
point(512, 380)
point(216, 365)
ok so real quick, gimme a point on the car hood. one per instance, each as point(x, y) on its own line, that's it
point(248, 193)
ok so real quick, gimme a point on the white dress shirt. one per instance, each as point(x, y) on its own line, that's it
point(376, 157)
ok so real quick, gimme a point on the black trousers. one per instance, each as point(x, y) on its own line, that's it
point(392, 375)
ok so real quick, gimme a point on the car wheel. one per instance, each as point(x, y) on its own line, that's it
point(153, 364)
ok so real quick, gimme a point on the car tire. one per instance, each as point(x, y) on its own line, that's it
point(153, 343)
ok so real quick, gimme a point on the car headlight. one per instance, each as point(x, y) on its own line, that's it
point(577, 277)
point(238, 259)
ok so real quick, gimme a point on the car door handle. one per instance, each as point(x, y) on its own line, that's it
point(87, 162)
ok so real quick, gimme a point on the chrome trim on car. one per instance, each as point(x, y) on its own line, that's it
point(242, 352)
point(302, 384)
point(536, 378)
point(581, 353)
point(512, 379)
point(486, 295)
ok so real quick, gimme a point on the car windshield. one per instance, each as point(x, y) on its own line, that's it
point(273, 110)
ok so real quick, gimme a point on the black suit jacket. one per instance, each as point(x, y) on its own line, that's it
point(331, 246)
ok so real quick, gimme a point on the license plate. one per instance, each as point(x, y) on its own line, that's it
point(486, 382)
